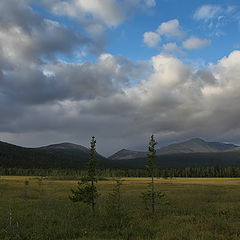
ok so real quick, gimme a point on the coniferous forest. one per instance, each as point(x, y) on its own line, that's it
point(93, 202)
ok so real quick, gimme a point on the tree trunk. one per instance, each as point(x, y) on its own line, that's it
point(153, 195)
point(93, 203)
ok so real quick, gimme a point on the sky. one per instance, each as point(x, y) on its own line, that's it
point(120, 70)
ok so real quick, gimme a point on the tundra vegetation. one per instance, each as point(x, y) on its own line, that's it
point(38, 208)
point(197, 208)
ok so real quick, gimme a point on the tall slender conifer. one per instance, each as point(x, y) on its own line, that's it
point(86, 190)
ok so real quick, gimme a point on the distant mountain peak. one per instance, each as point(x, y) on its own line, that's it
point(65, 146)
point(60, 155)
point(195, 140)
point(127, 154)
point(193, 145)
point(123, 150)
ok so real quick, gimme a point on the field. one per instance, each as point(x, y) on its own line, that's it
point(198, 209)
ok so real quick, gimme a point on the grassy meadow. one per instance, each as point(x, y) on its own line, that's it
point(198, 209)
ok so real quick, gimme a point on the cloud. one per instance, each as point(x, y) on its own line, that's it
point(175, 101)
point(196, 43)
point(97, 15)
point(108, 12)
point(170, 29)
point(33, 39)
point(61, 81)
point(45, 99)
point(151, 39)
point(150, 3)
point(170, 47)
point(207, 12)
point(215, 18)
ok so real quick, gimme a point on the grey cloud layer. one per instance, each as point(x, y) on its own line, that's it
point(44, 100)
point(63, 81)
point(26, 35)
point(175, 102)
point(96, 15)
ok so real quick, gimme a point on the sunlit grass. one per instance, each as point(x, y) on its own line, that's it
point(198, 208)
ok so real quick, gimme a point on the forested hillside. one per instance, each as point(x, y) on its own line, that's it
point(45, 157)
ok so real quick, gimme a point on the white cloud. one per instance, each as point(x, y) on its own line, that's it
point(150, 3)
point(72, 101)
point(195, 43)
point(216, 18)
point(169, 47)
point(107, 11)
point(168, 71)
point(170, 29)
point(176, 101)
point(207, 12)
point(151, 39)
point(172, 48)
point(96, 15)
point(43, 41)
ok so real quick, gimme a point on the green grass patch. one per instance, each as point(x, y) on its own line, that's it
point(198, 209)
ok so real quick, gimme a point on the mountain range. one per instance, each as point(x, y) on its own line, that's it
point(190, 153)
point(194, 145)
point(62, 155)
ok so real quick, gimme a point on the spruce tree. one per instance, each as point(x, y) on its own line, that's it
point(86, 190)
point(150, 168)
point(151, 195)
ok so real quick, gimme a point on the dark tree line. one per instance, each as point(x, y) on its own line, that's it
point(232, 172)
point(29, 162)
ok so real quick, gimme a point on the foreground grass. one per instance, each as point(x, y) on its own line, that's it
point(196, 209)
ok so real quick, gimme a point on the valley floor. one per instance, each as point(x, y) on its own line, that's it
point(193, 208)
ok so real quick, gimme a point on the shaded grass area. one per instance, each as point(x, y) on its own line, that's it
point(198, 209)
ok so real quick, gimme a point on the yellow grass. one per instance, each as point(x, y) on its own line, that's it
point(198, 209)
point(129, 180)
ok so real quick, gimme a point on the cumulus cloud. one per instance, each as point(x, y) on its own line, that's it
point(151, 39)
point(106, 11)
point(196, 43)
point(170, 29)
point(44, 99)
point(29, 37)
point(150, 3)
point(176, 101)
point(172, 47)
point(96, 15)
point(76, 81)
